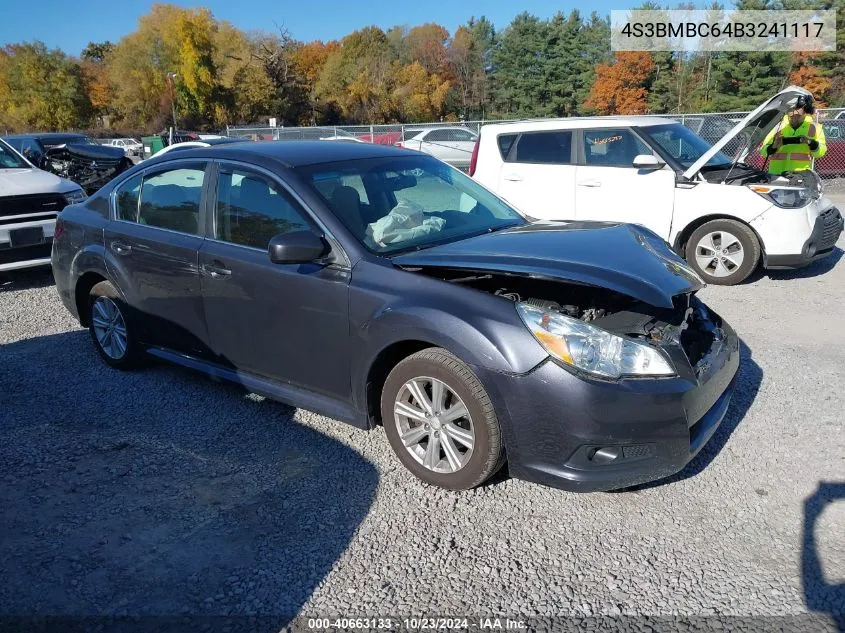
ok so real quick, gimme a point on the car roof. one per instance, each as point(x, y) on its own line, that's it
point(577, 123)
point(297, 153)
point(47, 135)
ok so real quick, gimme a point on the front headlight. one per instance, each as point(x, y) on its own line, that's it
point(787, 198)
point(75, 196)
point(591, 349)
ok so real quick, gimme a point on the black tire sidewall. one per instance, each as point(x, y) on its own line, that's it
point(130, 358)
point(473, 473)
point(746, 237)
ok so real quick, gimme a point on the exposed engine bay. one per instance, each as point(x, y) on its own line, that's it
point(91, 169)
point(688, 324)
point(743, 174)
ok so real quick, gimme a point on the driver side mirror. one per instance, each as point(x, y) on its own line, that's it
point(647, 161)
point(296, 247)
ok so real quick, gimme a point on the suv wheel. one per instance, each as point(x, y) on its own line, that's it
point(723, 252)
point(109, 327)
point(440, 421)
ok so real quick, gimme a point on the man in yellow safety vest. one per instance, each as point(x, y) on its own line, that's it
point(796, 140)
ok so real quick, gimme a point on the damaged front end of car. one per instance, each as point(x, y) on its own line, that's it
point(89, 166)
point(681, 337)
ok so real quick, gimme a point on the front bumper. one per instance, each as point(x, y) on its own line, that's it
point(31, 254)
point(586, 435)
point(826, 231)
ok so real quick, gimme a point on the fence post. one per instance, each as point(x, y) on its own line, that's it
point(227, 129)
point(335, 130)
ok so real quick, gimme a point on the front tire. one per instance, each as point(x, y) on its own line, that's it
point(723, 252)
point(110, 328)
point(440, 421)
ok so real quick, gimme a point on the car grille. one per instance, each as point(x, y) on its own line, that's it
point(831, 228)
point(31, 204)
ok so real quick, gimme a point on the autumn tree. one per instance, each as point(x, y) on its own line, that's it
point(621, 87)
point(417, 94)
point(94, 64)
point(41, 89)
point(354, 77)
point(310, 59)
point(427, 46)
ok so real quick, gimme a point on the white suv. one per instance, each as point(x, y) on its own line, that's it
point(30, 200)
point(723, 215)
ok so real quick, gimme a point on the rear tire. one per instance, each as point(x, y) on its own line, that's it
point(110, 328)
point(440, 421)
point(723, 252)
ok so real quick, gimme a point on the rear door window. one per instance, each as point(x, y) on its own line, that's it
point(170, 198)
point(126, 199)
point(549, 148)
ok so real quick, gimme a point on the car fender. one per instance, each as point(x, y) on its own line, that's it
point(693, 203)
point(482, 330)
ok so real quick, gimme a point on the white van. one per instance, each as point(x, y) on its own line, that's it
point(30, 200)
point(722, 214)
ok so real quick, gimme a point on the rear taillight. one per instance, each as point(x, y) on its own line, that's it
point(474, 159)
point(59, 229)
point(399, 144)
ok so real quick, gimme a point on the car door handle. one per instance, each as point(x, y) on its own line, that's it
point(589, 183)
point(120, 248)
point(513, 177)
point(216, 270)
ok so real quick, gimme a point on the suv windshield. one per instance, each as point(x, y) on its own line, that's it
point(399, 204)
point(9, 159)
point(683, 144)
point(55, 141)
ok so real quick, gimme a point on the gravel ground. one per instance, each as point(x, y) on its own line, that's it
point(160, 492)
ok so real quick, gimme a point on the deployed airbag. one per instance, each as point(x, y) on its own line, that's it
point(406, 221)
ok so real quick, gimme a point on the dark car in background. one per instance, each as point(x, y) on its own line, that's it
point(76, 157)
point(381, 287)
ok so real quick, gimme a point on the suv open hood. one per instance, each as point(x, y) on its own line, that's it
point(625, 258)
point(755, 126)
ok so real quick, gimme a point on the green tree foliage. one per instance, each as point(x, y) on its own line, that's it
point(41, 89)
point(544, 68)
point(530, 68)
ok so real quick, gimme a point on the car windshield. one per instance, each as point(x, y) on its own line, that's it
point(9, 159)
point(394, 205)
point(55, 141)
point(683, 144)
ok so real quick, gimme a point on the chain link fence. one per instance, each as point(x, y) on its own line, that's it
point(710, 126)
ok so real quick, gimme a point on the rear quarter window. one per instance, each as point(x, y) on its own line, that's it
point(506, 142)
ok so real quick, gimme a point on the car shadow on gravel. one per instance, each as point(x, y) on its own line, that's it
point(748, 384)
point(26, 279)
point(162, 495)
point(820, 595)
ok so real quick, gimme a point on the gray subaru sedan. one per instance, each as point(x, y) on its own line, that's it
point(381, 287)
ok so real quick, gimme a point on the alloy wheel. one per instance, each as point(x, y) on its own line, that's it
point(434, 425)
point(109, 327)
point(719, 253)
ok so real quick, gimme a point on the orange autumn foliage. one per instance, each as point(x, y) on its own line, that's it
point(808, 76)
point(620, 87)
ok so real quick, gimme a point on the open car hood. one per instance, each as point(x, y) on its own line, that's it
point(753, 127)
point(107, 155)
point(625, 258)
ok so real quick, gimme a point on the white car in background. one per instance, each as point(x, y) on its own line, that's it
point(130, 146)
point(30, 200)
point(723, 215)
point(221, 140)
point(452, 145)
